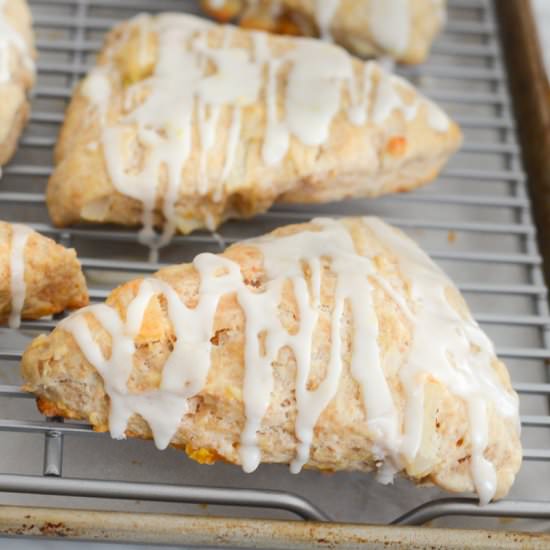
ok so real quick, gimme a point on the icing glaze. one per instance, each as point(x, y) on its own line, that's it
point(390, 24)
point(324, 13)
point(10, 39)
point(97, 89)
point(450, 348)
point(360, 95)
point(165, 107)
point(217, 4)
point(388, 99)
point(446, 346)
point(18, 288)
point(441, 10)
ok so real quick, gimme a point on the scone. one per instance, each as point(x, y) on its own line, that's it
point(16, 73)
point(38, 277)
point(184, 123)
point(402, 29)
point(335, 345)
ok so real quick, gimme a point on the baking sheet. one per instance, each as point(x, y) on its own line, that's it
point(237, 533)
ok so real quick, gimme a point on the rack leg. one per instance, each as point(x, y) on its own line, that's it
point(53, 452)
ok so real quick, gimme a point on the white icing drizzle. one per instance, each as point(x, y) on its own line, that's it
point(351, 269)
point(18, 287)
point(440, 8)
point(324, 13)
point(444, 347)
point(97, 89)
point(313, 93)
point(10, 38)
point(437, 118)
point(276, 138)
point(207, 132)
point(360, 97)
point(452, 350)
point(390, 23)
point(228, 78)
point(232, 142)
point(388, 99)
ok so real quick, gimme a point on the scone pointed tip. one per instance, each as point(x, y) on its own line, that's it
point(38, 277)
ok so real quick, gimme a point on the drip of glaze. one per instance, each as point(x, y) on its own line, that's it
point(324, 14)
point(232, 145)
point(445, 346)
point(164, 120)
point(377, 103)
point(11, 38)
point(97, 89)
point(207, 131)
point(312, 95)
point(388, 99)
point(276, 138)
point(18, 287)
point(360, 95)
point(452, 350)
point(441, 10)
point(437, 118)
point(390, 24)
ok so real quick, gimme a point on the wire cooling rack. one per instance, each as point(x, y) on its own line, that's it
point(475, 222)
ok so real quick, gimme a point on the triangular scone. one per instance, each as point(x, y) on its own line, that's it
point(17, 73)
point(402, 29)
point(184, 123)
point(38, 277)
point(335, 345)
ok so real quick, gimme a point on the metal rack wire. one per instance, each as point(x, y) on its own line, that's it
point(475, 222)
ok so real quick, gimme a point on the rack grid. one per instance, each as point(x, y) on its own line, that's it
point(475, 222)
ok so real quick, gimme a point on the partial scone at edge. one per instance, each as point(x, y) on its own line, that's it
point(66, 384)
point(362, 27)
point(14, 123)
point(14, 105)
point(395, 154)
point(53, 277)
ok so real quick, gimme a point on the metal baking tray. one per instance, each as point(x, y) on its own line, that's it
point(530, 88)
point(475, 222)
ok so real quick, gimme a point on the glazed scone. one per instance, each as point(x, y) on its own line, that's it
point(184, 124)
point(335, 345)
point(402, 29)
point(17, 73)
point(38, 277)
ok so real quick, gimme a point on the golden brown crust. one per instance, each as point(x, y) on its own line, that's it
point(14, 106)
point(355, 161)
point(55, 369)
point(16, 126)
point(53, 277)
point(350, 25)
